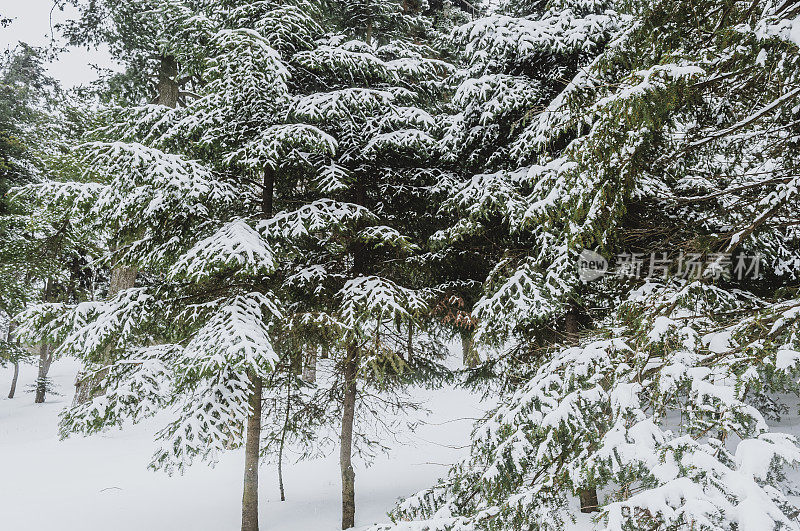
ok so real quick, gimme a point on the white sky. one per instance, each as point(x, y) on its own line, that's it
point(31, 24)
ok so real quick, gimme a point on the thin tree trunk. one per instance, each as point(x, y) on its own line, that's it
point(9, 339)
point(45, 359)
point(310, 367)
point(283, 435)
point(45, 354)
point(468, 354)
point(350, 374)
point(252, 450)
point(572, 328)
point(346, 449)
point(369, 32)
point(14, 380)
point(253, 436)
point(410, 345)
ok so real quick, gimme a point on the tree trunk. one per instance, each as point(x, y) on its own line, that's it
point(283, 435)
point(252, 450)
point(310, 367)
point(368, 38)
point(588, 499)
point(346, 450)
point(253, 438)
point(410, 344)
point(468, 353)
point(14, 379)
point(167, 86)
point(88, 386)
point(9, 340)
point(572, 326)
point(45, 359)
point(45, 354)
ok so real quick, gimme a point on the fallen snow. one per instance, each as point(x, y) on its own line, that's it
point(102, 482)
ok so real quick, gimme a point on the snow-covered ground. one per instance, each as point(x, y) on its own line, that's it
point(102, 482)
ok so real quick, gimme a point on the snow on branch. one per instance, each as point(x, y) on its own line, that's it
point(235, 246)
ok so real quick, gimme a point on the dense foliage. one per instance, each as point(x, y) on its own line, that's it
point(312, 196)
point(672, 145)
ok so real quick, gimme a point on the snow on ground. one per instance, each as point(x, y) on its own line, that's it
point(102, 482)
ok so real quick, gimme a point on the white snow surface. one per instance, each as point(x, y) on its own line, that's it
point(102, 482)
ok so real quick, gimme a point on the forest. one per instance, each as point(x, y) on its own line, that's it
point(278, 227)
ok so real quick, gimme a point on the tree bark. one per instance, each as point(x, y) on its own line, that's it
point(368, 38)
point(45, 360)
point(410, 343)
point(310, 367)
point(572, 326)
point(283, 434)
point(251, 457)
point(588, 499)
point(167, 86)
point(346, 449)
point(89, 386)
point(45, 354)
point(467, 351)
point(14, 380)
point(253, 436)
point(9, 339)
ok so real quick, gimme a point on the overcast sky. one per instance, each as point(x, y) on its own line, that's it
point(32, 22)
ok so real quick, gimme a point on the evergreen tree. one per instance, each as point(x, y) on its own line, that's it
point(252, 214)
point(678, 137)
point(42, 256)
point(361, 286)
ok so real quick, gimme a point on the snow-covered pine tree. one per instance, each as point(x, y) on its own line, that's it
point(144, 37)
point(42, 256)
point(357, 292)
point(192, 188)
point(679, 137)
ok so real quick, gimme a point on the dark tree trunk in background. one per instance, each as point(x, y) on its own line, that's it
point(410, 343)
point(14, 380)
point(310, 367)
point(346, 449)
point(572, 328)
point(45, 359)
point(589, 502)
point(45, 353)
point(123, 276)
point(9, 339)
point(283, 434)
point(468, 353)
point(252, 449)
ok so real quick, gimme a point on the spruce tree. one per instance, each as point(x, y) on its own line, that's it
point(675, 139)
point(372, 86)
point(253, 215)
point(43, 256)
point(184, 189)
